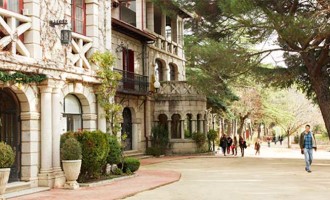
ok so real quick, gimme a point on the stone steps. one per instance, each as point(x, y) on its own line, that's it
point(25, 192)
point(17, 186)
point(136, 154)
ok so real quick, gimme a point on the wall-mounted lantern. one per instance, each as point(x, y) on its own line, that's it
point(65, 33)
point(157, 85)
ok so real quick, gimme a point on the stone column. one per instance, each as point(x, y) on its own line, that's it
point(46, 168)
point(89, 121)
point(92, 29)
point(135, 136)
point(32, 36)
point(101, 122)
point(30, 123)
point(163, 25)
point(150, 16)
point(140, 16)
point(194, 125)
point(169, 129)
point(57, 131)
point(182, 129)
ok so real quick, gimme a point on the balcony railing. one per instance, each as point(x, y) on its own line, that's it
point(12, 28)
point(80, 46)
point(132, 83)
point(165, 45)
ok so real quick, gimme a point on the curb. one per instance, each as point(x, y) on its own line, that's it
point(151, 188)
point(106, 182)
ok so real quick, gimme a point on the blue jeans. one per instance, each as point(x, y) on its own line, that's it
point(308, 157)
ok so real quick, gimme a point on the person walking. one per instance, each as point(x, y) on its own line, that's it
point(242, 145)
point(223, 144)
point(268, 141)
point(234, 146)
point(257, 146)
point(307, 143)
point(229, 143)
point(281, 139)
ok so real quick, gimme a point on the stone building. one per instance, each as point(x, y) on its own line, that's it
point(148, 45)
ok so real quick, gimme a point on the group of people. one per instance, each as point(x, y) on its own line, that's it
point(227, 144)
point(275, 139)
point(307, 144)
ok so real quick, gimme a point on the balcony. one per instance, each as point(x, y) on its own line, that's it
point(167, 46)
point(132, 83)
point(12, 28)
point(80, 47)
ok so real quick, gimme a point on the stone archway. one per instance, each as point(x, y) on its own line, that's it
point(10, 128)
point(127, 129)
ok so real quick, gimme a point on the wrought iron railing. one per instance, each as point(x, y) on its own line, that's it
point(132, 83)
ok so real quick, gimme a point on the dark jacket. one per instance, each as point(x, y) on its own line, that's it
point(223, 142)
point(302, 140)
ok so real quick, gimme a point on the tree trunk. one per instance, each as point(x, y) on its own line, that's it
point(289, 140)
point(222, 126)
point(320, 84)
point(259, 131)
point(229, 122)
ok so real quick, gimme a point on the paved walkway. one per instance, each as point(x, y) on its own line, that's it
point(278, 173)
point(250, 178)
point(145, 180)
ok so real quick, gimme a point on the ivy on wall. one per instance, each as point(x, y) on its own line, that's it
point(107, 89)
point(19, 77)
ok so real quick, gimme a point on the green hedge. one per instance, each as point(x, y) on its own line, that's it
point(133, 164)
point(115, 153)
point(95, 148)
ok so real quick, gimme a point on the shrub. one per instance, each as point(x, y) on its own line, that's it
point(187, 134)
point(132, 164)
point(199, 139)
point(117, 171)
point(7, 155)
point(66, 136)
point(115, 153)
point(211, 137)
point(95, 150)
point(159, 139)
point(71, 150)
point(154, 151)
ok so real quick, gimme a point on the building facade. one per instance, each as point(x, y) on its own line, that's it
point(148, 46)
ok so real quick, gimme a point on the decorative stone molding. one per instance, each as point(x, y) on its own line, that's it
point(177, 87)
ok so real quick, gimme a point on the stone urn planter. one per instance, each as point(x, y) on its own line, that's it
point(71, 161)
point(71, 170)
point(4, 176)
point(7, 158)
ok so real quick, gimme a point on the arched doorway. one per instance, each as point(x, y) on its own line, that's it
point(10, 129)
point(126, 128)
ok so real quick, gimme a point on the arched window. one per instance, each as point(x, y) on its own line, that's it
point(12, 5)
point(176, 126)
point(162, 118)
point(78, 16)
point(159, 70)
point(173, 72)
point(72, 113)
